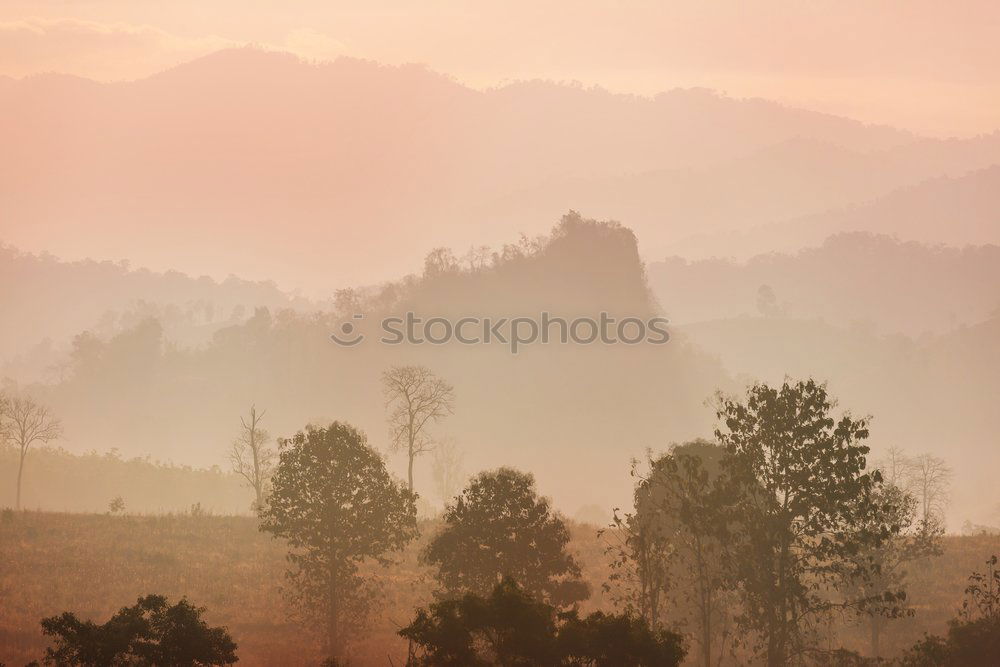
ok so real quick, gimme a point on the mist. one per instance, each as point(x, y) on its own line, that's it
point(212, 224)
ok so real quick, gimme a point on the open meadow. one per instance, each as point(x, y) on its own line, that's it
point(93, 564)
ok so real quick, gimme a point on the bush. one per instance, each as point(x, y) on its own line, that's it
point(510, 627)
point(149, 633)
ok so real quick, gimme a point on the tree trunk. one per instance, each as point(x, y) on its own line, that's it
point(706, 630)
point(333, 627)
point(20, 470)
point(409, 471)
point(775, 657)
point(876, 636)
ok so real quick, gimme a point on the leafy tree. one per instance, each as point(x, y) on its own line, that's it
point(152, 632)
point(610, 640)
point(982, 595)
point(335, 504)
point(687, 493)
point(641, 555)
point(805, 507)
point(672, 542)
point(883, 566)
point(511, 627)
point(415, 399)
point(116, 506)
point(498, 527)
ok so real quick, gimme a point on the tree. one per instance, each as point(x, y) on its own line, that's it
point(251, 458)
point(335, 504)
point(610, 640)
point(499, 527)
point(446, 467)
point(884, 566)
point(640, 565)
point(507, 627)
point(672, 544)
point(511, 627)
point(930, 482)
point(415, 399)
point(26, 422)
point(151, 632)
point(117, 506)
point(897, 469)
point(767, 302)
point(804, 504)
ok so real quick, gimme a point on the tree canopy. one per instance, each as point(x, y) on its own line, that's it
point(498, 527)
point(152, 632)
point(511, 627)
point(336, 505)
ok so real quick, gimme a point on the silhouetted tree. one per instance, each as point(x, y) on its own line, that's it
point(508, 627)
point(883, 566)
point(982, 595)
point(152, 632)
point(251, 458)
point(767, 302)
point(511, 627)
point(610, 640)
point(804, 506)
point(116, 506)
point(26, 422)
point(440, 261)
point(415, 398)
point(670, 557)
point(335, 504)
point(499, 527)
point(641, 557)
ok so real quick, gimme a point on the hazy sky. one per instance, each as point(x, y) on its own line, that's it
point(923, 65)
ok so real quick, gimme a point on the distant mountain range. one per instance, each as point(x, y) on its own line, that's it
point(851, 279)
point(962, 210)
point(321, 176)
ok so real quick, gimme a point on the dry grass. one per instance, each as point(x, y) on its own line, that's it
point(93, 564)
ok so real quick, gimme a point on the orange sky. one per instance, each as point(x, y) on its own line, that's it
point(926, 66)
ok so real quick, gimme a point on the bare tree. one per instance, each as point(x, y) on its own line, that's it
point(415, 398)
point(446, 466)
point(897, 468)
point(26, 422)
point(251, 458)
point(930, 483)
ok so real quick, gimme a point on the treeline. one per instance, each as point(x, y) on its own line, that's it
point(892, 287)
point(56, 299)
point(749, 547)
point(139, 392)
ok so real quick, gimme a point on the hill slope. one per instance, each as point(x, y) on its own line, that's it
point(257, 164)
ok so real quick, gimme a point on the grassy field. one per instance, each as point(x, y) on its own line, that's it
point(93, 564)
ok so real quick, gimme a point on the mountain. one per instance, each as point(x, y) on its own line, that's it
point(850, 279)
point(321, 176)
point(45, 301)
point(587, 408)
point(958, 209)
